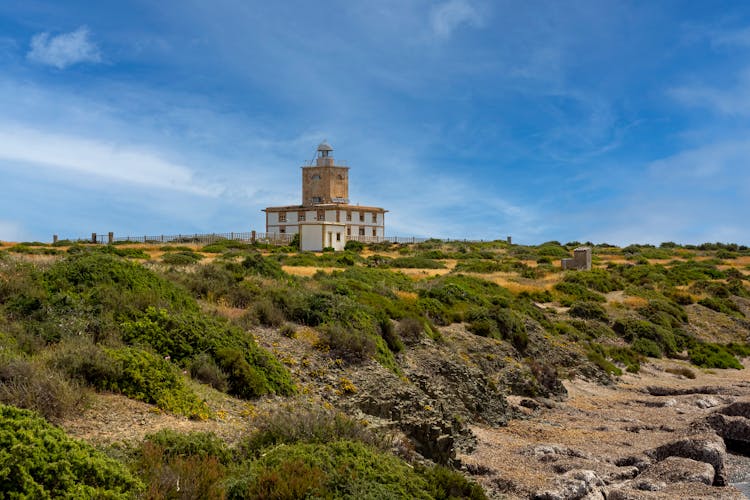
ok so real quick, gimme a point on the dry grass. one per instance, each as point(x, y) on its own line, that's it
point(306, 271)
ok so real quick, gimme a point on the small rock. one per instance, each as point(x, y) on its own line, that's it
point(704, 403)
point(645, 485)
point(530, 404)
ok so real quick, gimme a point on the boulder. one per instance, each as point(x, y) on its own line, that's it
point(678, 469)
point(574, 485)
point(708, 448)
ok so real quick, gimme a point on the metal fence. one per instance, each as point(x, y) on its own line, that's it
point(250, 237)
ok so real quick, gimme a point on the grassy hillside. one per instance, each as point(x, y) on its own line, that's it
point(453, 325)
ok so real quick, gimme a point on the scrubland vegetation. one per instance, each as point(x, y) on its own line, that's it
point(153, 323)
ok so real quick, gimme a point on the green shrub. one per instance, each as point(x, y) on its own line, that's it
point(40, 461)
point(268, 314)
point(349, 344)
point(262, 266)
point(338, 469)
point(245, 380)
point(390, 335)
point(739, 350)
point(152, 379)
point(480, 266)
point(304, 424)
point(204, 368)
point(354, 246)
point(183, 258)
point(576, 292)
point(415, 263)
point(596, 354)
point(182, 336)
point(511, 327)
point(596, 279)
point(713, 356)
point(627, 356)
point(656, 340)
point(588, 310)
point(220, 246)
point(722, 305)
point(447, 484)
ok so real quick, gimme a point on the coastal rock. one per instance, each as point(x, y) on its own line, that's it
point(708, 448)
point(574, 485)
point(678, 469)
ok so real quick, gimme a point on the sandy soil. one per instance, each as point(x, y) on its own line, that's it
point(605, 422)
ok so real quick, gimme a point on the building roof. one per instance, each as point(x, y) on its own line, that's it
point(322, 206)
point(324, 146)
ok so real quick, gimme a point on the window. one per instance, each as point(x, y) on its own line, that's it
point(374, 218)
point(282, 216)
point(338, 236)
point(348, 231)
point(321, 215)
point(361, 217)
point(348, 215)
point(282, 230)
point(374, 232)
point(317, 199)
point(341, 177)
point(338, 215)
point(361, 231)
point(301, 216)
point(315, 177)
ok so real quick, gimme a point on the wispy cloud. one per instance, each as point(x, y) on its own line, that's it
point(449, 16)
point(733, 100)
point(114, 162)
point(65, 49)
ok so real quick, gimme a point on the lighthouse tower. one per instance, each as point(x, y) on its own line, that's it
point(325, 182)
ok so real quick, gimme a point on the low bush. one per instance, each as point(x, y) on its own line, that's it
point(40, 461)
point(304, 424)
point(682, 371)
point(288, 330)
point(182, 466)
point(349, 344)
point(338, 469)
point(713, 356)
point(182, 258)
point(722, 305)
point(447, 484)
point(588, 310)
point(354, 246)
point(204, 369)
point(627, 356)
point(597, 355)
point(415, 263)
point(573, 292)
point(31, 385)
point(390, 335)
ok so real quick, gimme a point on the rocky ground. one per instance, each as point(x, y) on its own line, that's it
point(652, 435)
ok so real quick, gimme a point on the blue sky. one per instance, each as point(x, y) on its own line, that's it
point(596, 120)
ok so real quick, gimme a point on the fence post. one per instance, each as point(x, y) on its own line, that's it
point(111, 237)
point(252, 236)
point(510, 240)
point(93, 237)
point(54, 238)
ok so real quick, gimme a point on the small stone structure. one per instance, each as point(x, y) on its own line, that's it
point(581, 260)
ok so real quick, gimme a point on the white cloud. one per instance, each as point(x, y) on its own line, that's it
point(97, 158)
point(448, 16)
point(64, 50)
